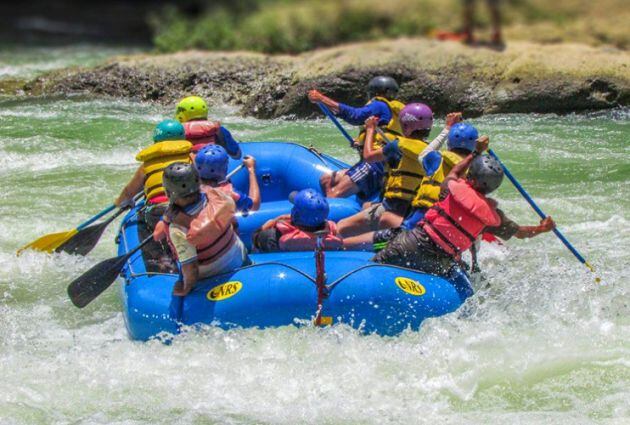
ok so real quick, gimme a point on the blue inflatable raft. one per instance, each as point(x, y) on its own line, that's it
point(280, 288)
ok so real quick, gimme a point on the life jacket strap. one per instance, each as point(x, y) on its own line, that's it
point(454, 223)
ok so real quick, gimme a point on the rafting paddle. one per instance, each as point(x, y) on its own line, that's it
point(51, 242)
point(542, 215)
point(329, 114)
point(84, 289)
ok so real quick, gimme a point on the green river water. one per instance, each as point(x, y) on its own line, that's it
point(542, 343)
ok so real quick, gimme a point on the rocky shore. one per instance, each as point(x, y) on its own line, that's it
point(524, 77)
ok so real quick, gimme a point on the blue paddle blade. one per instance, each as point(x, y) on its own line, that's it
point(431, 162)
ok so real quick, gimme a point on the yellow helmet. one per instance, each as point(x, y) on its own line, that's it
point(191, 108)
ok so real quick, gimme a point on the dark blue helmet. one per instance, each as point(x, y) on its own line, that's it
point(463, 136)
point(212, 163)
point(310, 208)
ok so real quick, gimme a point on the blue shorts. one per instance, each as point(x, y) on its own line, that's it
point(369, 177)
point(413, 218)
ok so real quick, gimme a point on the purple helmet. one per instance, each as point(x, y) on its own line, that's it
point(415, 116)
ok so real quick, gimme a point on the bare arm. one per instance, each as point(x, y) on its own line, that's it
point(254, 189)
point(316, 96)
point(546, 225)
point(369, 153)
point(436, 144)
point(134, 186)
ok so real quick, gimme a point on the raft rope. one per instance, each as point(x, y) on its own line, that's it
point(320, 279)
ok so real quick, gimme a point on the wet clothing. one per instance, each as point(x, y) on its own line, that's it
point(415, 249)
point(157, 256)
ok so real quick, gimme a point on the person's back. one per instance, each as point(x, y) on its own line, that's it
point(298, 231)
point(200, 229)
point(212, 165)
point(192, 112)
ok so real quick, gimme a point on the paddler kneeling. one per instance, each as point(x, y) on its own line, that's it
point(200, 228)
point(452, 225)
point(299, 230)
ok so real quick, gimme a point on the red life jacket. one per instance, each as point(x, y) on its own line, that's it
point(211, 231)
point(454, 223)
point(295, 239)
point(201, 133)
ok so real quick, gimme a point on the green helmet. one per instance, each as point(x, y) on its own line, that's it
point(168, 130)
point(191, 108)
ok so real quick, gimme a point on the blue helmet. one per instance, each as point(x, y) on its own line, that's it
point(310, 208)
point(212, 162)
point(168, 130)
point(463, 136)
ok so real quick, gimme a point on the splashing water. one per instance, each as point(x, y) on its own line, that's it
point(540, 342)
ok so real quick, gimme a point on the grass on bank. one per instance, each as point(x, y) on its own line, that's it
point(293, 26)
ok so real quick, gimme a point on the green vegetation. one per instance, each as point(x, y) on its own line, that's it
point(285, 26)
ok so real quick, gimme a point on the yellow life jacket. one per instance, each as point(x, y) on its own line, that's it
point(429, 191)
point(156, 158)
point(403, 181)
point(392, 129)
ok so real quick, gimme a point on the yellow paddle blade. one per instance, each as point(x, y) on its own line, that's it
point(50, 242)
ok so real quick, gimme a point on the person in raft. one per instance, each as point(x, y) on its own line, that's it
point(212, 165)
point(363, 178)
point(462, 140)
point(169, 145)
point(452, 225)
point(200, 230)
point(192, 112)
point(299, 230)
point(403, 171)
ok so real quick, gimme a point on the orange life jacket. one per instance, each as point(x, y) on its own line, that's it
point(211, 231)
point(454, 223)
point(295, 239)
point(201, 133)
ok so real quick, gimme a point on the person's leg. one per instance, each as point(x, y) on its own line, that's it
point(469, 21)
point(390, 219)
point(495, 16)
point(364, 221)
point(362, 242)
point(337, 184)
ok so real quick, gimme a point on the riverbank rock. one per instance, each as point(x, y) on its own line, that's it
point(524, 77)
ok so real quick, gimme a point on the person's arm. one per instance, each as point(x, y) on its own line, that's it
point(254, 189)
point(357, 116)
point(131, 189)
point(546, 225)
point(459, 170)
point(508, 228)
point(229, 143)
point(315, 96)
point(271, 223)
point(369, 153)
point(437, 143)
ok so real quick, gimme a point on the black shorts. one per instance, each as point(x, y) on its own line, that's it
point(414, 249)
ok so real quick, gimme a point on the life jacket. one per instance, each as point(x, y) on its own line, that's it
point(201, 133)
point(155, 159)
point(429, 191)
point(392, 129)
point(454, 223)
point(225, 187)
point(295, 239)
point(211, 231)
point(404, 179)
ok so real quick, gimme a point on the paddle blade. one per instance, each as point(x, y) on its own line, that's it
point(84, 289)
point(49, 243)
point(83, 241)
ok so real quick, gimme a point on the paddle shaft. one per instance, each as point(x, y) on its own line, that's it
point(234, 171)
point(329, 114)
point(540, 212)
point(96, 217)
